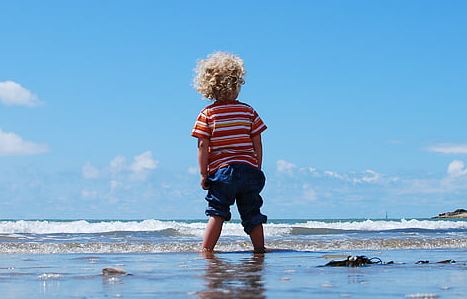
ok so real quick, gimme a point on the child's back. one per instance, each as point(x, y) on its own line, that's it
point(230, 127)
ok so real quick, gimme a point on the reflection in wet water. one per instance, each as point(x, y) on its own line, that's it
point(234, 280)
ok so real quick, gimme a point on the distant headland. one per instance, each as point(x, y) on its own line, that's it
point(459, 213)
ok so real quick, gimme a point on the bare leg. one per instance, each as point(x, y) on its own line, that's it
point(212, 232)
point(257, 238)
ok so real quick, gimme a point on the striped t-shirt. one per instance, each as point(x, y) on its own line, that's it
point(229, 126)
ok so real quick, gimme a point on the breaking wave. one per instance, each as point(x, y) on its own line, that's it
point(187, 228)
point(274, 245)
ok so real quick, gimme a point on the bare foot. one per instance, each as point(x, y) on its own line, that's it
point(206, 252)
point(260, 250)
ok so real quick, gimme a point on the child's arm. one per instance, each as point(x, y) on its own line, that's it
point(203, 144)
point(258, 146)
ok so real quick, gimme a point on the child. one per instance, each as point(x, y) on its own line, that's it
point(229, 149)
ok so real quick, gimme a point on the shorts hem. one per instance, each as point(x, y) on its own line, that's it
point(211, 213)
point(257, 220)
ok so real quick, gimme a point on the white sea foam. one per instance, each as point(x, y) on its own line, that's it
point(422, 296)
point(230, 229)
point(223, 245)
point(382, 225)
point(49, 276)
point(85, 227)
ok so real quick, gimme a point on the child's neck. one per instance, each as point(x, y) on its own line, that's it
point(226, 100)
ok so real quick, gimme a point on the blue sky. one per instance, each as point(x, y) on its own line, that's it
point(365, 103)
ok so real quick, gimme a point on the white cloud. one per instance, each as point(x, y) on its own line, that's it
point(13, 145)
point(336, 175)
point(454, 181)
point(456, 169)
point(117, 165)
point(420, 186)
point(309, 193)
point(89, 171)
point(363, 177)
point(88, 193)
point(285, 166)
point(370, 177)
point(313, 171)
point(367, 177)
point(120, 169)
point(449, 148)
point(143, 163)
point(13, 94)
point(114, 185)
point(192, 170)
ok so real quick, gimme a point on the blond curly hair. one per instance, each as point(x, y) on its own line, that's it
point(218, 75)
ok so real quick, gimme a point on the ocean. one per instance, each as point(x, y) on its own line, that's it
point(65, 258)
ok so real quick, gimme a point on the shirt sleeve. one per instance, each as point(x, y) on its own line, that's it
point(201, 128)
point(258, 126)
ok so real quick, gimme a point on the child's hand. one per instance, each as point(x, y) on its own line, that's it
point(204, 182)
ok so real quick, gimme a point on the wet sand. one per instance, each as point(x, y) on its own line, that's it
point(280, 274)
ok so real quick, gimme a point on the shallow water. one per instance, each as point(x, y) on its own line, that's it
point(279, 274)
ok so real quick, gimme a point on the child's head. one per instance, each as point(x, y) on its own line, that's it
point(219, 76)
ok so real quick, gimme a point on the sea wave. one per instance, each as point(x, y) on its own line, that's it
point(185, 228)
point(231, 246)
point(385, 225)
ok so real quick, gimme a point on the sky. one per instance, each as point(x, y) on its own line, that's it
point(365, 103)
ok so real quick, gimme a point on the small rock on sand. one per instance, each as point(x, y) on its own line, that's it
point(113, 271)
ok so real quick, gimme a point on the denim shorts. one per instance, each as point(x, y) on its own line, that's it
point(241, 183)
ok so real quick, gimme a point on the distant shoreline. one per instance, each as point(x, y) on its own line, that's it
point(459, 213)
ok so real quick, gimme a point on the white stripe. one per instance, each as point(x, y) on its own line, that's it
point(257, 129)
point(219, 150)
point(232, 128)
point(231, 114)
point(231, 106)
point(243, 161)
point(199, 123)
point(229, 121)
point(229, 158)
point(231, 145)
point(231, 136)
point(200, 132)
point(243, 155)
point(239, 152)
point(219, 161)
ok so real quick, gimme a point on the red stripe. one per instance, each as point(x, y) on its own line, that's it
point(229, 132)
